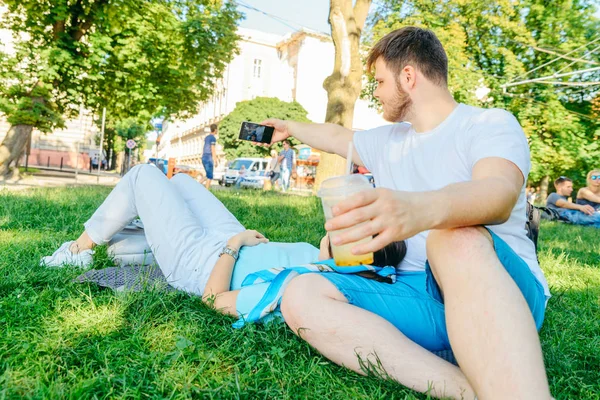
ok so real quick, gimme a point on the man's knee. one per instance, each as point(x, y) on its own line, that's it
point(302, 296)
point(456, 244)
point(180, 179)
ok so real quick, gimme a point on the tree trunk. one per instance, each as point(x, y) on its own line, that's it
point(544, 189)
point(343, 86)
point(12, 146)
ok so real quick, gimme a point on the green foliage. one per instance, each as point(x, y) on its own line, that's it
point(63, 339)
point(493, 42)
point(138, 59)
point(255, 110)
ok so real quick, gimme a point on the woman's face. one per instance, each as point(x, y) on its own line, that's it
point(594, 183)
point(324, 253)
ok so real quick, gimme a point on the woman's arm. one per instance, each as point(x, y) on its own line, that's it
point(217, 290)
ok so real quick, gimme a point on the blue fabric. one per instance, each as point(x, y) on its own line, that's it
point(415, 306)
point(258, 305)
point(209, 166)
point(586, 202)
point(209, 141)
point(288, 158)
point(579, 218)
point(271, 255)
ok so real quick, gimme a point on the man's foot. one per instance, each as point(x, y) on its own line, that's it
point(63, 256)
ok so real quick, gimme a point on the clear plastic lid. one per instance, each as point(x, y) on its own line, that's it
point(344, 185)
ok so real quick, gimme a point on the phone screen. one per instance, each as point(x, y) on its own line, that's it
point(256, 132)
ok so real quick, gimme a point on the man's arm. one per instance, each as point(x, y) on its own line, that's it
point(330, 138)
point(586, 209)
point(487, 199)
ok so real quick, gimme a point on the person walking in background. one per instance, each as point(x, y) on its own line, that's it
point(209, 154)
point(287, 159)
point(274, 169)
point(590, 195)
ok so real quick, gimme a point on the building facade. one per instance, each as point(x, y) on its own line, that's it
point(290, 67)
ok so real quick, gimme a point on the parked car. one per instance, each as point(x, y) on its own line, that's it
point(255, 180)
point(254, 166)
point(161, 163)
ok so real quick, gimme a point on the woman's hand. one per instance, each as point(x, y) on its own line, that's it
point(324, 253)
point(247, 238)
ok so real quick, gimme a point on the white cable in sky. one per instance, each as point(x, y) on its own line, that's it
point(545, 78)
point(587, 53)
point(556, 59)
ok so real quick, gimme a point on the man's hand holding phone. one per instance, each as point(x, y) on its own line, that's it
point(280, 127)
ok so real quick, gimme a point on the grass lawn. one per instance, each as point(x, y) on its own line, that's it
point(64, 340)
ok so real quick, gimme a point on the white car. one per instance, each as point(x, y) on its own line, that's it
point(254, 168)
point(254, 180)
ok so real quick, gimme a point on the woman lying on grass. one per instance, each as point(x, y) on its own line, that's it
point(195, 240)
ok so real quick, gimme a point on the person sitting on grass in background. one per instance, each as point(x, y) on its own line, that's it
point(579, 214)
point(590, 195)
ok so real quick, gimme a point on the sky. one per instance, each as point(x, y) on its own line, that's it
point(312, 14)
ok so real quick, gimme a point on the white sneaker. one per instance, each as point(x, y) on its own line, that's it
point(63, 256)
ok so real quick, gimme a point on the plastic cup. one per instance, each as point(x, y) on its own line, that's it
point(333, 191)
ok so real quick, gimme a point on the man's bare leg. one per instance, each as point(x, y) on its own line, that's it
point(491, 329)
point(316, 311)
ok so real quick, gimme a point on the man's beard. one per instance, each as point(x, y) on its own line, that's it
point(399, 107)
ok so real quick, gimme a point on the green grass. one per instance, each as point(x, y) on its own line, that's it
point(29, 171)
point(59, 339)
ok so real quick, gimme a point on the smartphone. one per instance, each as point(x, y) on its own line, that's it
point(256, 132)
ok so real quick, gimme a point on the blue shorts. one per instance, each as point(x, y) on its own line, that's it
point(209, 165)
point(414, 303)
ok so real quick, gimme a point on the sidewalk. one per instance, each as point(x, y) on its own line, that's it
point(54, 177)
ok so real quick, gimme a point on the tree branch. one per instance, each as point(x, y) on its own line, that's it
point(57, 28)
point(82, 27)
point(361, 10)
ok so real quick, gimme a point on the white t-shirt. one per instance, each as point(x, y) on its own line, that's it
point(402, 159)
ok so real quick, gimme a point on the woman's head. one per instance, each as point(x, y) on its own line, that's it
point(593, 178)
point(390, 255)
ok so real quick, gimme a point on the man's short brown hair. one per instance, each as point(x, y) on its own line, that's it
point(415, 46)
point(560, 180)
point(213, 127)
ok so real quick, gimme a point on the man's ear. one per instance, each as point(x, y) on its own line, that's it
point(408, 77)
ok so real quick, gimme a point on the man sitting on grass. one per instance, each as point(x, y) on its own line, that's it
point(451, 182)
point(579, 214)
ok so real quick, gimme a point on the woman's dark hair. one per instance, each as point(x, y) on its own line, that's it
point(391, 255)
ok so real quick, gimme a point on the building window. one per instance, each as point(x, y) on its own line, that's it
point(257, 67)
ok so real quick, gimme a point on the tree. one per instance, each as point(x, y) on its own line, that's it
point(344, 85)
point(255, 110)
point(138, 59)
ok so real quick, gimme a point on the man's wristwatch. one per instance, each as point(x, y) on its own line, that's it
point(229, 251)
